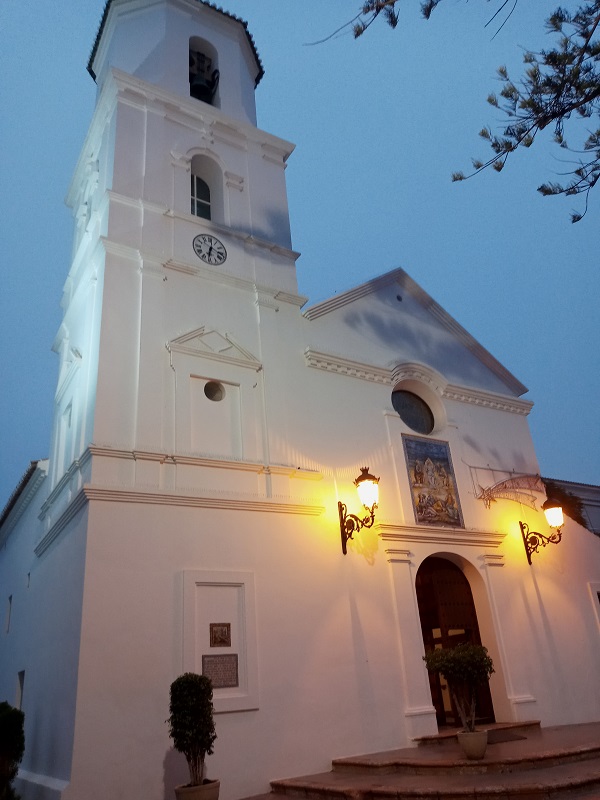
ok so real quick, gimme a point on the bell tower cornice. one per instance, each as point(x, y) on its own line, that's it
point(190, 48)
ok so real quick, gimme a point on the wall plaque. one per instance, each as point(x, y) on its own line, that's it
point(222, 670)
point(220, 634)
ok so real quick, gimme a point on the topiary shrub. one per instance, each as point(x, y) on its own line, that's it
point(465, 667)
point(191, 723)
point(12, 747)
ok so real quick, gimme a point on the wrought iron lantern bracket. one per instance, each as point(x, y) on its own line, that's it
point(351, 524)
point(533, 540)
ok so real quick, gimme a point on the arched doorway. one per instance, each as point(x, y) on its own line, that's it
point(448, 618)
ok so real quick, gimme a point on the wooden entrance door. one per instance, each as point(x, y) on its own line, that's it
point(448, 618)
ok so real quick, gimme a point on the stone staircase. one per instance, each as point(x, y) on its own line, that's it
point(523, 762)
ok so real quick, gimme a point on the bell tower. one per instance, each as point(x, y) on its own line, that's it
point(182, 245)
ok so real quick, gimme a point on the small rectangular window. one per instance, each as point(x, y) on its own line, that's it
point(20, 688)
point(8, 614)
point(200, 198)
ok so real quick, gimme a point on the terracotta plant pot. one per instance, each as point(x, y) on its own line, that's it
point(473, 743)
point(209, 790)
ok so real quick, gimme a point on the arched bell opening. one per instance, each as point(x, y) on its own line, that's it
point(448, 617)
point(204, 72)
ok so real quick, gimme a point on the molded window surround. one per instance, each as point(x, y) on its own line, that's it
point(207, 198)
point(227, 600)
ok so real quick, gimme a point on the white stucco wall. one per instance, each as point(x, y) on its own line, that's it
point(152, 482)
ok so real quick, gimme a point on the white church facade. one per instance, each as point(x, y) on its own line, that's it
point(208, 428)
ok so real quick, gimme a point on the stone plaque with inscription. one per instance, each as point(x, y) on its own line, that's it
point(222, 670)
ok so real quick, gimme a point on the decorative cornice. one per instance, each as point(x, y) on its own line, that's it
point(219, 502)
point(229, 135)
point(75, 468)
point(276, 155)
point(390, 377)
point(345, 366)
point(209, 343)
point(293, 299)
point(154, 496)
point(398, 556)
point(419, 711)
point(390, 532)
point(187, 111)
point(217, 276)
point(264, 244)
point(493, 559)
point(416, 371)
point(291, 471)
point(478, 397)
point(234, 181)
point(345, 298)
point(74, 507)
point(121, 250)
point(266, 300)
point(228, 279)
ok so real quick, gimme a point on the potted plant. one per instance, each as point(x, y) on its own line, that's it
point(465, 667)
point(192, 728)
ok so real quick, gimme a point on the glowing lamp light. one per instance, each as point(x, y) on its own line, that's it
point(554, 514)
point(533, 540)
point(367, 486)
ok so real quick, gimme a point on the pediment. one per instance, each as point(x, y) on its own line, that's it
point(391, 320)
point(210, 343)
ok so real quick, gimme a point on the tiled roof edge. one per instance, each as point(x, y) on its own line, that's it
point(242, 22)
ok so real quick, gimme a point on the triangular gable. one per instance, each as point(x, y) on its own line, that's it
point(210, 343)
point(399, 279)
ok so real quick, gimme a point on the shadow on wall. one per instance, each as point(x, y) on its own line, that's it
point(175, 772)
point(424, 338)
point(277, 228)
point(518, 462)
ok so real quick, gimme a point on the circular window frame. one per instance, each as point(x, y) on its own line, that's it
point(214, 391)
point(414, 412)
point(429, 396)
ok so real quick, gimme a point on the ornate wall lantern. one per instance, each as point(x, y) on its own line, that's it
point(533, 540)
point(367, 486)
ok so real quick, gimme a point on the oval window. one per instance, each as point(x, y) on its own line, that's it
point(413, 411)
point(214, 391)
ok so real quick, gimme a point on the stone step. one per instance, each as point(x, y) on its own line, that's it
point(502, 731)
point(448, 759)
point(574, 780)
point(530, 764)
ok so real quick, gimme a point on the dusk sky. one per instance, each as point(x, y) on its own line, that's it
point(379, 125)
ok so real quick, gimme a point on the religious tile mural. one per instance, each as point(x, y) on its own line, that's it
point(432, 482)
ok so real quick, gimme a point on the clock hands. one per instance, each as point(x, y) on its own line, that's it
point(209, 249)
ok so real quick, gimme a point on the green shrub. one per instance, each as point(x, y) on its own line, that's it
point(465, 667)
point(12, 747)
point(191, 723)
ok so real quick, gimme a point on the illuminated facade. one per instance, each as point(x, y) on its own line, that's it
point(205, 429)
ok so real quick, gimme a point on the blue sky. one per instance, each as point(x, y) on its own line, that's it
point(380, 124)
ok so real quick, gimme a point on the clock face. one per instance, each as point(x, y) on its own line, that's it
point(209, 249)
